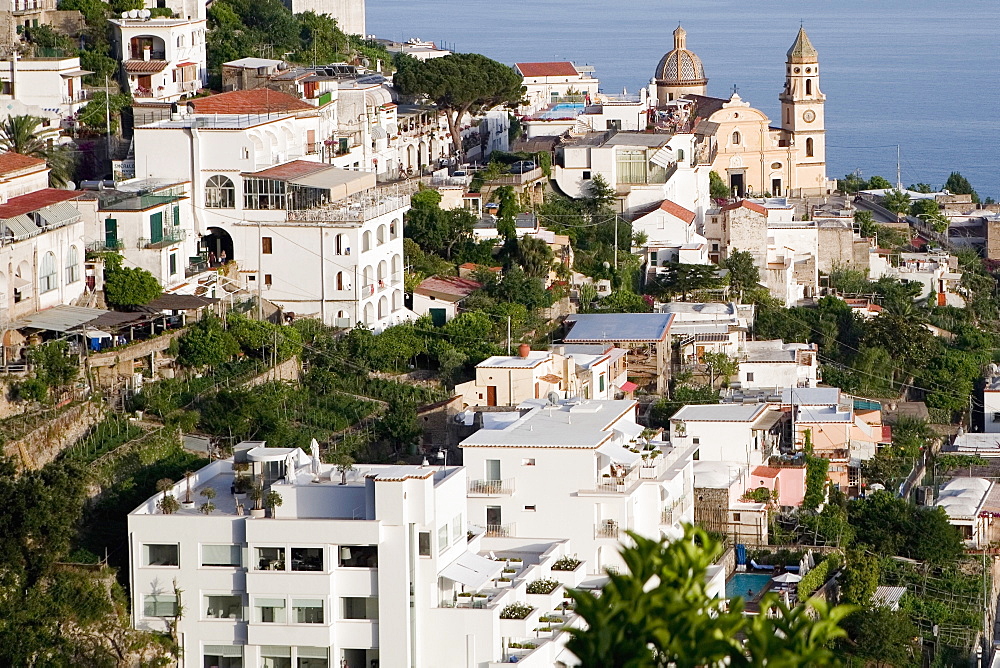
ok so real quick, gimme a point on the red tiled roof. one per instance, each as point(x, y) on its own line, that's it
point(886, 433)
point(249, 102)
point(145, 66)
point(16, 206)
point(448, 285)
point(563, 69)
point(290, 170)
point(677, 211)
point(767, 471)
point(15, 162)
point(753, 206)
point(186, 63)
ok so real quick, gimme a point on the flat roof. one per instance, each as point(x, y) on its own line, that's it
point(594, 327)
point(573, 424)
point(720, 412)
point(717, 475)
point(811, 396)
point(962, 498)
point(534, 358)
point(822, 414)
point(60, 318)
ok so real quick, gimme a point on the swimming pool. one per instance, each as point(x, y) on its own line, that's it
point(741, 583)
point(563, 110)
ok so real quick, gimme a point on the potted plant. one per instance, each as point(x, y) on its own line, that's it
point(272, 500)
point(568, 570)
point(256, 494)
point(168, 504)
point(208, 507)
point(188, 501)
point(344, 463)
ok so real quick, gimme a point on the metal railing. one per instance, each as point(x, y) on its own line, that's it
point(102, 246)
point(500, 530)
point(606, 529)
point(675, 512)
point(169, 237)
point(492, 487)
point(78, 96)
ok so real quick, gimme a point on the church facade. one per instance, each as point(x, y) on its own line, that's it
point(750, 154)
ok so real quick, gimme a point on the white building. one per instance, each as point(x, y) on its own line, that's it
point(415, 48)
point(182, 9)
point(53, 84)
point(441, 297)
point(350, 573)
point(546, 83)
point(971, 504)
point(671, 237)
point(776, 364)
point(350, 14)
point(21, 174)
point(578, 467)
point(643, 169)
point(162, 60)
point(937, 272)
point(42, 247)
point(743, 433)
point(991, 401)
point(149, 222)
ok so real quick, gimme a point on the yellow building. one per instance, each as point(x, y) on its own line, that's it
point(751, 155)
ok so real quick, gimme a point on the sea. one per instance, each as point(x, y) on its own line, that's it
point(923, 75)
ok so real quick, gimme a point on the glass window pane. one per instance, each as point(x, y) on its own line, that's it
point(307, 559)
point(159, 605)
point(224, 606)
point(221, 555)
point(160, 555)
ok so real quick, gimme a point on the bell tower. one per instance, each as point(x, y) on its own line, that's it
point(802, 102)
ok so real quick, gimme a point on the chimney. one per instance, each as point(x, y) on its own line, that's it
point(523, 350)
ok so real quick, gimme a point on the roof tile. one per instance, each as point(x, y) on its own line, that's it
point(17, 206)
point(677, 211)
point(562, 69)
point(253, 101)
point(15, 162)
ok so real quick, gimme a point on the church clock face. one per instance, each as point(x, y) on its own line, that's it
point(809, 116)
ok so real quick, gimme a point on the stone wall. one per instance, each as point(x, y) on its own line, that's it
point(44, 443)
point(437, 421)
point(290, 369)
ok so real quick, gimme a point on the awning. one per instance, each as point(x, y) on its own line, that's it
point(663, 157)
point(339, 182)
point(59, 318)
point(21, 226)
point(97, 334)
point(59, 213)
point(628, 386)
point(186, 63)
point(75, 73)
point(20, 283)
point(378, 132)
point(472, 570)
point(629, 429)
point(619, 454)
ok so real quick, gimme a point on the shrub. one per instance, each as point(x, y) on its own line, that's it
point(127, 287)
point(818, 576)
point(516, 611)
point(542, 586)
point(566, 564)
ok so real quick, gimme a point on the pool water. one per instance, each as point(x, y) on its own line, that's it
point(563, 110)
point(740, 583)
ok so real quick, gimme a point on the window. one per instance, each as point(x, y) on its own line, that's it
point(424, 543)
point(809, 86)
point(358, 556)
point(265, 245)
point(356, 607)
point(586, 175)
point(160, 555)
point(159, 605)
point(749, 377)
point(680, 154)
point(442, 538)
point(809, 147)
point(220, 193)
point(221, 555)
point(530, 509)
point(156, 227)
point(528, 461)
point(224, 606)
point(223, 656)
point(312, 657)
point(267, 280)
point(307, 611)
point(47, 280)
point(263, 194)
point(72, 265)
point(269, 610)
point(173, 263)
point(631, 166)
point(696, 440)
point(996, 417)
point(307, 559)
point(736, 137)
point(457, 533)
point(270, 558)
point(600, 383)
point(736, 517)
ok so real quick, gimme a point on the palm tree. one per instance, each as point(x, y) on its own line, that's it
point(534, 256)
point(19, 134)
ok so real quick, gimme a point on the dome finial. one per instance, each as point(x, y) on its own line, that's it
point(680, 38)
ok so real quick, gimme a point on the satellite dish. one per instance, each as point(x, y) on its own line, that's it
point(145, 13)
point(124, 15)
point(133, 13)
point(553, 397)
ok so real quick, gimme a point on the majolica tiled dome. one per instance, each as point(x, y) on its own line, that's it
point(680, 67)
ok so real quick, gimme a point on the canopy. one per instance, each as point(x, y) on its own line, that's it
point(472, 570)
point(619, 454)
point(628, 386)
point(60, 318)
point(340, 182)
point(788, 577)
point(629, 429)
point(20, 283)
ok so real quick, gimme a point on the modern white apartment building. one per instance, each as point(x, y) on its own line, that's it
point(52, 84)
point(546, 83)
point(374, 567)
point(163, 60)
point(580, 468)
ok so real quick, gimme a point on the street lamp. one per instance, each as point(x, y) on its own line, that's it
point(442, 454)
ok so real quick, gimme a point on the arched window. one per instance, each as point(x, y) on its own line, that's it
point(72, 265)
point(788, 116)
point(366, 241)
point(220, 193)
point(380, 234)
point(736, 137)
point(340, 280)
point(47, 277)
point(809, 147)
point(809, 86)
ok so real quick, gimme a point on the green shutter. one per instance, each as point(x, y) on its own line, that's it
point(438, 316)
point(156, 227)
point(110, 233)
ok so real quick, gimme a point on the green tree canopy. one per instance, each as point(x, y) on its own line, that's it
point(895, 526)
point(126, 287)
point(866, 223)
point(960, 185)
point(896, 201)
point(743, 272)
point(459, 84)
point(878, 183)
point(675, 278)
point(718, 188)
point(206, 343)
point(659, 614)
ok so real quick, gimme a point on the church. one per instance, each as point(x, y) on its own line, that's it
point(752, 156)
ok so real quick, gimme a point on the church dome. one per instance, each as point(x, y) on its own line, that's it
point(680, 67)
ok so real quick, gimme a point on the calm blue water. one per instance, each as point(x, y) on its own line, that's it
point(920, 73)
point(563, 110)
point(740, 583)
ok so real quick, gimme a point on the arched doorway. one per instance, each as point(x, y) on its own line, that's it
point(217, 246)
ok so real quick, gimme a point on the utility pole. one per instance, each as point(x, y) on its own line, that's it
point(616, 243)
point(107, 113)
point(508, 335)
point(260, 275)
point(899, 180)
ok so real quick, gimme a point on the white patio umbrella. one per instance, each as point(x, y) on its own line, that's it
point(788, 578)
point(314, 451)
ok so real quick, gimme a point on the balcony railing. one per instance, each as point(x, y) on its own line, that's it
point(492, 487)
point(500, 530)
point(169, 237)
point(102, 246)
point(675, 512)
point(77, 96)
point(606, 529)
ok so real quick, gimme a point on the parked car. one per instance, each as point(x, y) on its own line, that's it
point(522, 166)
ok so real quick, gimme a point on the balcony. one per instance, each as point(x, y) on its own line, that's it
point(672, 515)
point(606, 529)
point(77, 96)
point(104, 246)
point(500, 530)
point(169, 238)
point(492, 487)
